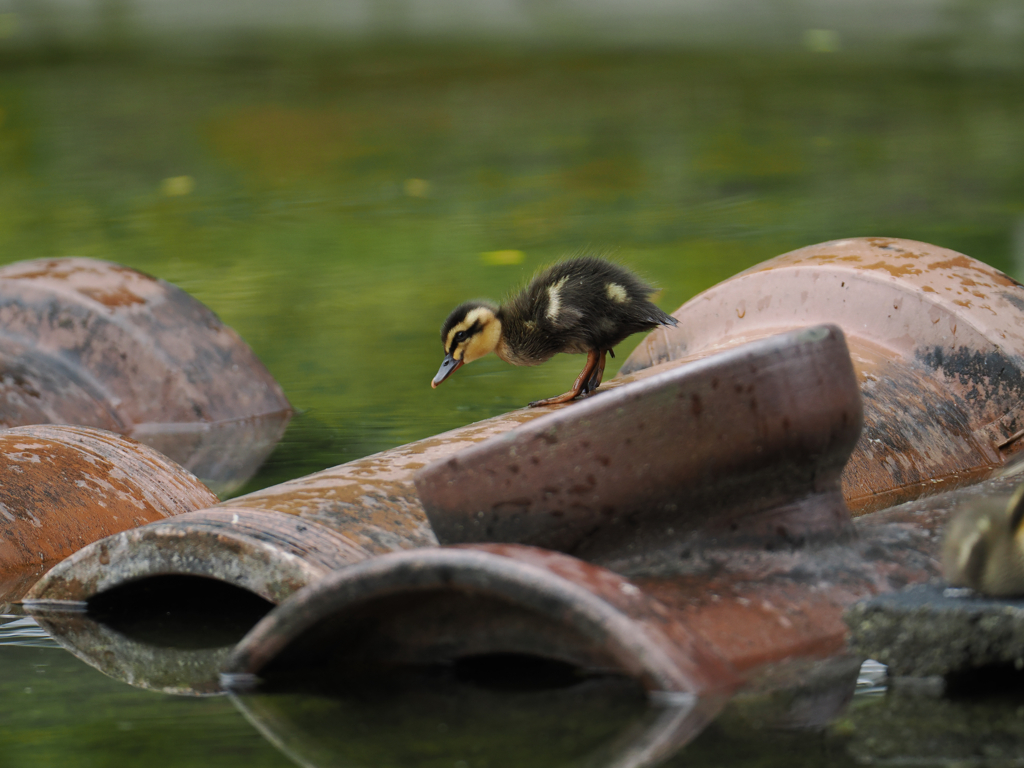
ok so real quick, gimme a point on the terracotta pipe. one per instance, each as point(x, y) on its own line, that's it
point(748, 443)
point(920, 436)
point(775, 471)
point(937, 339)
point(65, 487)
point(273, 542)
point(699, 624)
point(96, 344)
point(695, 625)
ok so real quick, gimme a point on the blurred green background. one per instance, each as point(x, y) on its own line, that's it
point(332, 201)
point(332, 178)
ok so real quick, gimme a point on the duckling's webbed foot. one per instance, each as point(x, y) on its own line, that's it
point(588, 380)
point(595, 377)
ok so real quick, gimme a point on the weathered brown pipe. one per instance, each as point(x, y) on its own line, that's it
point(776, 471)
point(723, 613)
point(368, 507)
point(275, 541)
point(748, 442)
point(269, 543)
point(696, 623)
point(182, 671)
point(936, 336)
point(919, 435)
point(65, 487)
point(96, 344)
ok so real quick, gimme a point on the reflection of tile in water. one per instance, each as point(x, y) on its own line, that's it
point(22, 630)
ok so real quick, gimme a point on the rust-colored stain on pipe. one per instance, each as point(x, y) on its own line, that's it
point(96, 344)
point(936, 336)
point(65, 487)
point(276, 540)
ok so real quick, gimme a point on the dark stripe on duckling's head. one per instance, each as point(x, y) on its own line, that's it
point(466, 321)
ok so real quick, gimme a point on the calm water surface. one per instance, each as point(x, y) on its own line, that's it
point(333, 205)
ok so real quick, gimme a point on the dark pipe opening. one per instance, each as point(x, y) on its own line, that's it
point(186, 612)
point(517, 672)
point(438, 638)
point(994, 679)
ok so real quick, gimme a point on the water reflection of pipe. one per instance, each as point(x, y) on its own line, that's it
point(599, 723)
point(157, 634)
point(96, 344)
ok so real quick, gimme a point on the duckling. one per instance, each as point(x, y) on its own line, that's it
point(580, 305)
point(984, 548)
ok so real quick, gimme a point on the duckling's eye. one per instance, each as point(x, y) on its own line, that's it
point(460, 337)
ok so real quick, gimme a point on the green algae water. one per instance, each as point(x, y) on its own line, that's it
point(333, 204)
point(333, 207)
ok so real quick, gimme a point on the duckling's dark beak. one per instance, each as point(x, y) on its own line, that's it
point(448, 367)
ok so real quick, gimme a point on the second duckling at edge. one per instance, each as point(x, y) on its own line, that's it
point(581, 305)
point(984, 547)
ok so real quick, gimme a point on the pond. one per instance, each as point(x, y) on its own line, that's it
point(332, 204)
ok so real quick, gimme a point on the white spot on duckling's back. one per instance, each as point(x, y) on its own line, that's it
point(555, 299)
point(616, 293)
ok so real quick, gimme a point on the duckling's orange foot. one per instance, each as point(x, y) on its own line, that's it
point(586, 383)
point(596, 375)
point(566, 398)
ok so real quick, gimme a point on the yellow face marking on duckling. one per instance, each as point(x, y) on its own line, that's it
point(482, 331)
point(616, 293)
point(555, 299)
